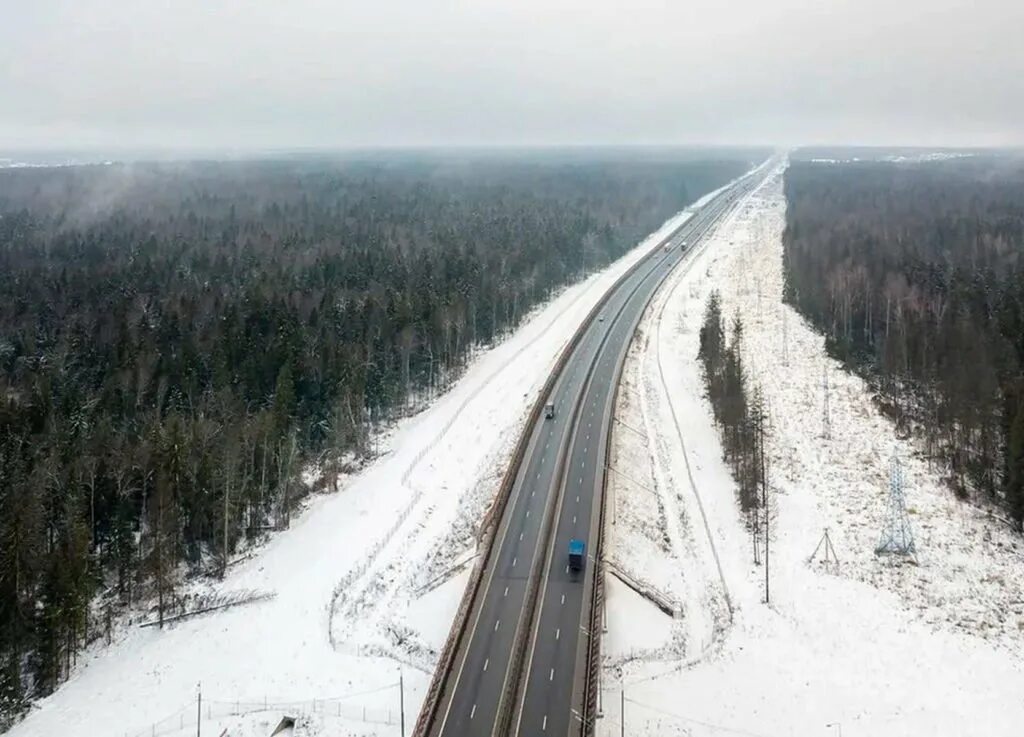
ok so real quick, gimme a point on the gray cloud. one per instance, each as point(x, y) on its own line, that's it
point(235, 73)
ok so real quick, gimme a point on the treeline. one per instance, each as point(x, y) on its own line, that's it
point(915, 274)
point(739, 410)
point(178, 342)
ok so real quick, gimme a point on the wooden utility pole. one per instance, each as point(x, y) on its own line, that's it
point(622, 713)
point(826, 415)
point(764, 503)
point(785, 338)
point(401, 699)
point(199, 709)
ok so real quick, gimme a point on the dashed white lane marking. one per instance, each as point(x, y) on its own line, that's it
point(563, 598)
point(486, 663)
point(558, 633)
point(473, 712)
point(520, 536)
point(551, 676)
point(577, 498)
point(574, 519)
point(496, 623)
point(514, 562)
point(544, 725)
point(506, 591)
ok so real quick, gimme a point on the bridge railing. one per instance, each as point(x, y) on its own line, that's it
point(489, 526)
point(591, 689)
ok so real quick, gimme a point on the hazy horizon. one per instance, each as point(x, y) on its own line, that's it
point(318, 76)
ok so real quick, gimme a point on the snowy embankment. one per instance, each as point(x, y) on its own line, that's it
point(365, 582)
point(878, 647)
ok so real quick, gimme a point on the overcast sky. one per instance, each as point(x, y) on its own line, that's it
point(334, 73)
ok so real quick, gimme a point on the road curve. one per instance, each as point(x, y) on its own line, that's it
point(519, 666)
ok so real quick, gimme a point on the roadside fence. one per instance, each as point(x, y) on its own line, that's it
point(340, 707)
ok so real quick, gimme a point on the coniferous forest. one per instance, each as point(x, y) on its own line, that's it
point(739, 410)
point(178, 342)
point(915, 273)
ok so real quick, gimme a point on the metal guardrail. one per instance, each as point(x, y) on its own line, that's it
point(513, 693)
point(489, 525)
point(508, 703)
point(592, 671)
point(491, 521)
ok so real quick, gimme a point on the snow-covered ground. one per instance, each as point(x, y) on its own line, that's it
point(365, 582)
point(874, 646)
point(914, 158)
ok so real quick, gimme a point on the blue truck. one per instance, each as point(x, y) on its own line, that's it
point(577, 551)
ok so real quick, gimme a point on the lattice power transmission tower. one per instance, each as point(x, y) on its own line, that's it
point(897, 537)
point(828, 551)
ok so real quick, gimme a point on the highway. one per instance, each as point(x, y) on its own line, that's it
point(519, 666)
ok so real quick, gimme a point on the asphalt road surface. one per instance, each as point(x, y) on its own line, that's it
point(535, 680)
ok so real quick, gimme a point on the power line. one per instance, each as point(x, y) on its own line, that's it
point(709, 725)
point(349, 695)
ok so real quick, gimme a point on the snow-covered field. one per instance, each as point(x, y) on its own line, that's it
point(914, 158)
point(874, 646)
point(365, 582)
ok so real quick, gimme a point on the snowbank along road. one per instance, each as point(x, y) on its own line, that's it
point(846, 642)
point(350, 603)
point(521, 660)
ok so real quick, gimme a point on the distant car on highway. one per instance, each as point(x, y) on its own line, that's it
point(600, 318)
point(549, 410)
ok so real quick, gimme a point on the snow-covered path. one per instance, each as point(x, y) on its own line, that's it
point(930, 650)
point(360, 580)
